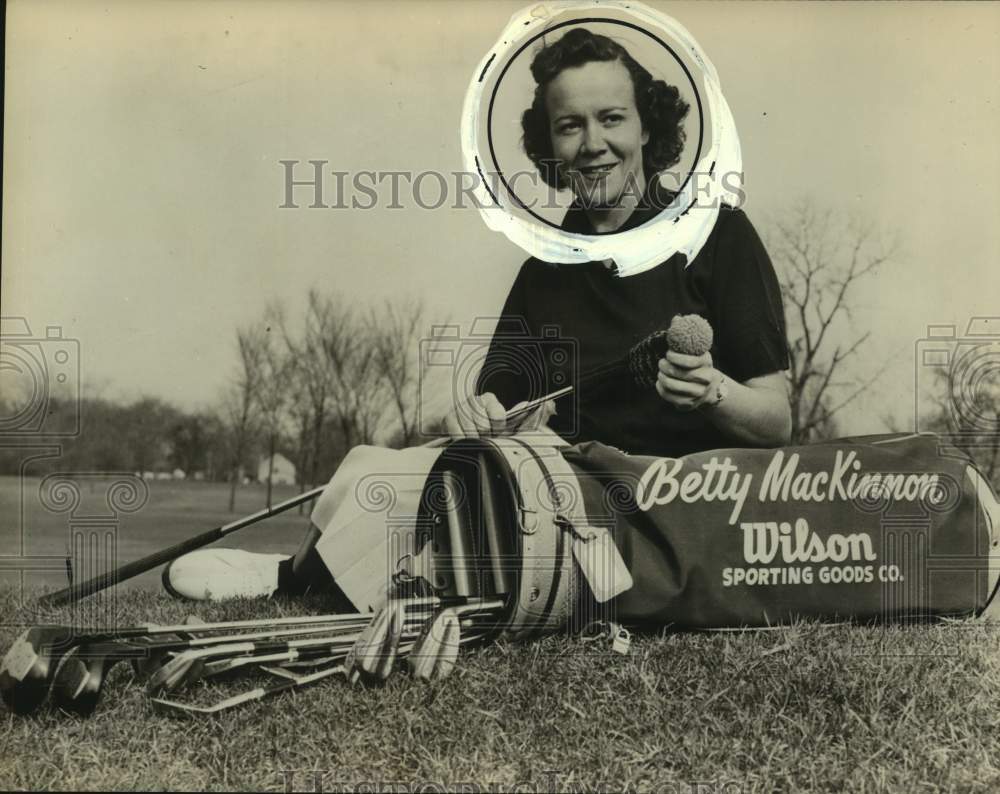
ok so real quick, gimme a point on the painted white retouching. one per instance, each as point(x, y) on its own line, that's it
point(682, 227)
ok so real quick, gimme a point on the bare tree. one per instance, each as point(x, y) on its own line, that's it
point(395, 333)
point(821, 260)
point(312, 384)
point(359, 395)
point(300, 414)
point(239, 410)
point(345, 376)
point(272, 392)
point(340, 393)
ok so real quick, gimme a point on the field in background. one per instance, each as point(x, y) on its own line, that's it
point(809, 708)
point(175, 510)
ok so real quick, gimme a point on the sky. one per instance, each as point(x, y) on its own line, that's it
point(142, 176)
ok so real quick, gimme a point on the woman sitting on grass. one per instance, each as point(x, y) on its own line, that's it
point(601, 126)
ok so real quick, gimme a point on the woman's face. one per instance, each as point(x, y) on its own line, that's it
point(597, 135)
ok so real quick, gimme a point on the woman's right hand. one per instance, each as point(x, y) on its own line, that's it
point(480, 415)
point(483, 415)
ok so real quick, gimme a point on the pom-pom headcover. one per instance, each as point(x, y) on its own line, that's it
point(688, 333)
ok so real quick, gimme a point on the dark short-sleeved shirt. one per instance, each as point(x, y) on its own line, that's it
point(731, 283)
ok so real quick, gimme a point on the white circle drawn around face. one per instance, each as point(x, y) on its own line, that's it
point(684, 226)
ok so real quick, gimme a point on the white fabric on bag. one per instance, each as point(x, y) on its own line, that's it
point(363, 538)
point(367, 515)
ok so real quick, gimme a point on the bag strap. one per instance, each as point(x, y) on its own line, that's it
point(548, 582)
point(560, 544)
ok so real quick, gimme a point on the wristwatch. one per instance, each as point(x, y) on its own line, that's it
point(721, 391)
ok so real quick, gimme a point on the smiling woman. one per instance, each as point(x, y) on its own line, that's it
point(601, 124)
point(602, 127)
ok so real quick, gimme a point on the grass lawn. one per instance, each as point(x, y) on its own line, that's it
point(809, 708)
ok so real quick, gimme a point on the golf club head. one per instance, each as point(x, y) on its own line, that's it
point(179, 680)
point(218, 667)
point(30, 665)
point(167, 677)
point(80, 680)
point(176, 709)
point(144, 666)
point(436, 650)
point(373, 656)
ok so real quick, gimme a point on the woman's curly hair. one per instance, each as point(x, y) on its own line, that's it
point(660, 107)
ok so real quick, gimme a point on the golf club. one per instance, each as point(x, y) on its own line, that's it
point(301, 657)
point(435, 652)
point(75, 592)
point(176, 671)
point(30, 664)
point(291, 681)
point(374, 655)
point(80, 679)
point(246, 697)
point(406, 649)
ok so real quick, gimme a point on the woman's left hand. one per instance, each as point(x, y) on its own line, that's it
point(687, 381)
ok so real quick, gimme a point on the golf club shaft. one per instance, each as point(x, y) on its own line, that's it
point(283, 668)
point(152, 629)
point(220, 666)
point(253, 694)
point(617, 367)
point(233, 646)
point(66, 637)
point(295, 655)
point(75, 592)
point(130, 648)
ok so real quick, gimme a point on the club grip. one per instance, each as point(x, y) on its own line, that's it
point(75, 592)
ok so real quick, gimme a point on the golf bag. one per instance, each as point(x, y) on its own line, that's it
point(879, 527)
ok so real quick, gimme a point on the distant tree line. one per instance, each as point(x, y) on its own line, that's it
point(147, 435)
point(309, 386)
